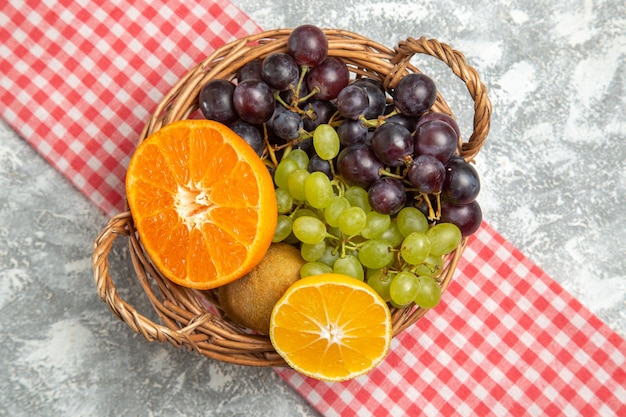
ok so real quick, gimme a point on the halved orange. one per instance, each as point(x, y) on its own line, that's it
point(331, 327)
point(202, 201)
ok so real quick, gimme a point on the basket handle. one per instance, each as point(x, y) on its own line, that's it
point(119, 226)
point(405, 50)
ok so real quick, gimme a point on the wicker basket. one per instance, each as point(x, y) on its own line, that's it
point(194, 319)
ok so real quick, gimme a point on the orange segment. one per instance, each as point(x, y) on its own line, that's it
point(202, 201)
point(331, 327)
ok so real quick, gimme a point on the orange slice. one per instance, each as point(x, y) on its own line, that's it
point(331, 327)
point(202, 201)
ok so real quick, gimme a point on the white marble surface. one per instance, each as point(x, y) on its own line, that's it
point(554, 184)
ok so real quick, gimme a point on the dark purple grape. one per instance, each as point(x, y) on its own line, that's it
point(250, 71)
point(401, 119)
point(287, 125)
point(254, 101)
point(279, 71)
point(462, 183)
point(318, 164)
point(386, 195)
point(216, 101)
point(351, 132)
point(427, 174)
point(308, 45)
point(329, 77)
point(358, 165)
point(251, 135)
point(414, 94)
point(436, 138)
point(306, 145)
point(317, 112)
point(392, 144)
point(467, 217)
point(277, 110)
point(429, 117)
point(376, 97)
point(352, 102)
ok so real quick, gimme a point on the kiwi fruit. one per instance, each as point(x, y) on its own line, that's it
point(249, 300)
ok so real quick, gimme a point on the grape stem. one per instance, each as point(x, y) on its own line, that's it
point(295, 210)
point(304, 135)
point(304, 69)
point(288, 148)
point(313, 92)
point(332, 171)
point(268, 146)
point(432, 214)
point(390, 174)
point(335, 120)
point(296, 100)
point(379, 120)
point(279, 99)
point(337, 181)
point(369, 123)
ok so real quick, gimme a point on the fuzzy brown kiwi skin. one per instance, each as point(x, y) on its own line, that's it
point(249, 300)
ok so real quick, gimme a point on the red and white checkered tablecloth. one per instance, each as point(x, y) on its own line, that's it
point(78, 80)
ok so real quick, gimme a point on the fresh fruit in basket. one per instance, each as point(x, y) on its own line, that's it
point(298, 134)
point(202, 202)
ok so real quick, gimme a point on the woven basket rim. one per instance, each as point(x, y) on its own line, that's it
point(193, 319)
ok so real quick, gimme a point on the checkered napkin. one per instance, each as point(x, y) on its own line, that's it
point(78, 80)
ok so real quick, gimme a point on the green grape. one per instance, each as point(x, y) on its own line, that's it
point(403, 288)
point(283, 228)
point(318, 190)
point(314, 268)
point(309, 229)
point(376, 254)
point(284, 201)
point(304, 212)
point(415, 248)
point(444, 238)
point(300, 156)
point(284, 168)
point(334, 209)
point(330, 256)
point(312, 251)
point(410, 220)
point(349, 265)
point(428, 292)
point(392, 235)
point(375, 225)
point(352, 220)
point(326, 141)
point(431, 266)
point(380, 281)
point(296, 181)
point(357, 197)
